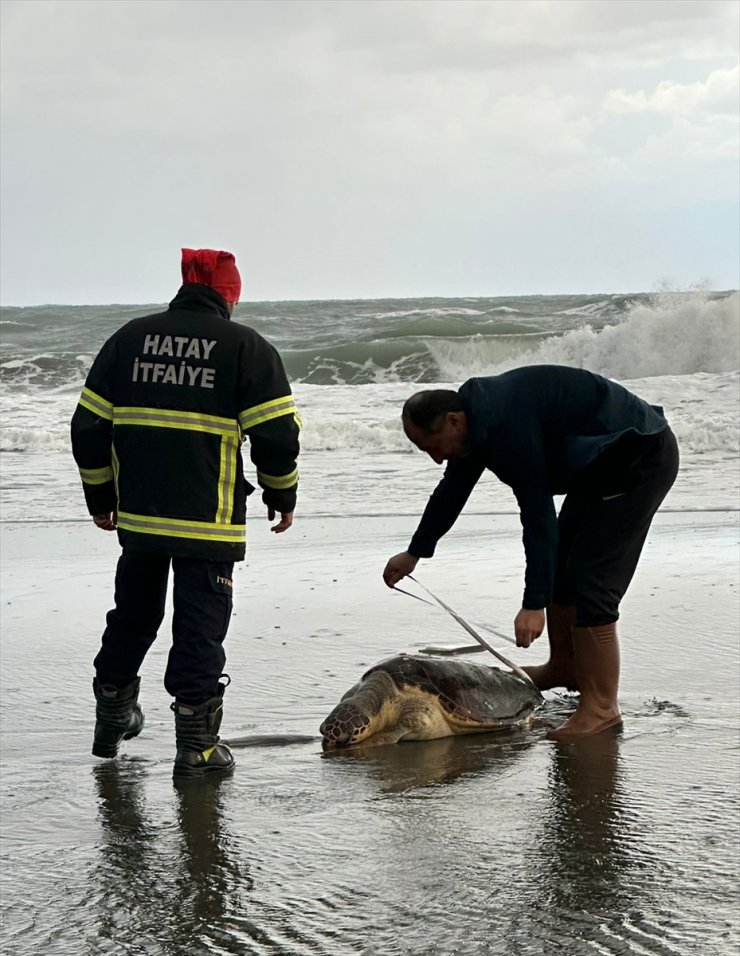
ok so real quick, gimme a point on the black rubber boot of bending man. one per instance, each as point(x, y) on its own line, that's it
point(199, 750)
point(117, 716)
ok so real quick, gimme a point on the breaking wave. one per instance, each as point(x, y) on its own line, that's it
point(671, 334)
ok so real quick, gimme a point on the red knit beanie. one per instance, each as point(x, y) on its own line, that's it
point(212, 268)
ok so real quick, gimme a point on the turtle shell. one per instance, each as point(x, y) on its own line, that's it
point(471, 693)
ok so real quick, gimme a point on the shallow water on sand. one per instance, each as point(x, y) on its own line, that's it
point(625, 844)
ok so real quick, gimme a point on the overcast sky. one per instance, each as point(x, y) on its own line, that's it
point(363, 148)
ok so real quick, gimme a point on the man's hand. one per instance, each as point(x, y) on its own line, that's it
point(398, 567)
point(108, 522)
point(286, 520)
point(528, 625)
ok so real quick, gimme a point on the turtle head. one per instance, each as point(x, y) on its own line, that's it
point(347, 724)
point(365, 709)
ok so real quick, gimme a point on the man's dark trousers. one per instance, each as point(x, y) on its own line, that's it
point(202, 601)
point(603, 524)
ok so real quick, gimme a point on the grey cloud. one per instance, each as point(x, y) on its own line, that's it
point(344, 147)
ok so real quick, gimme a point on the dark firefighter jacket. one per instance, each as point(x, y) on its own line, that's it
point(157, 432)
point(537, 429)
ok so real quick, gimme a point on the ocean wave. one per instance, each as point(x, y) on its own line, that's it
point(30, 439)
point(664, 334)
point(409, 359)
point(347, 435)
point(436, 313)
point(445, 327)
point(332, 344)
point(593, 308)
point(45, 371)
point(671, 334)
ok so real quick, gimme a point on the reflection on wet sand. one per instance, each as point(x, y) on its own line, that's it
point(587, 831)
point(126, 889)
point(586, 857)
point(160, 882)
point(411, 765)
point(211, 869)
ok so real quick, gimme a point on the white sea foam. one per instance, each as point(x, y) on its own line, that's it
point(31, 438)
point(703, 409)
point(335, 435)
point(672, 335)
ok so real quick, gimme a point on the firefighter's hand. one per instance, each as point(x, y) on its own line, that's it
point(286, 520)
point(108, 522)
point(528, 625)
point(398, 567)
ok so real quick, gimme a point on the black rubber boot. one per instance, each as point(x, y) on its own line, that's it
point(117, 716)
point(199, 751)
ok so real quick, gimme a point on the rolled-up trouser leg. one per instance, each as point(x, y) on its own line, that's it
point(202, 610)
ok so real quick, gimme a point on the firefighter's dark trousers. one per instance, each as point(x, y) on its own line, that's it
point(604, 522)
point(202, 599)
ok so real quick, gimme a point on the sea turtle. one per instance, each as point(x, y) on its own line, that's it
point(410, 697)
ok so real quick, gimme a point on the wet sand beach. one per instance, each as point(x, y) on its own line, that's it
point(487, 844)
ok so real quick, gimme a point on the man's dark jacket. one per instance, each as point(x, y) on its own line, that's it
point(537, 429)
point(158, 429)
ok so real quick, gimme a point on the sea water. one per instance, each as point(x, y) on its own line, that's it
point(353, 363)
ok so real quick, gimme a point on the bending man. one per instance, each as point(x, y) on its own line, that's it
point(157, 436)
point(550, 430)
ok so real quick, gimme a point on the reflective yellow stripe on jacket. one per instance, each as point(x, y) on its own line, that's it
point(227, 478)
point(96, 476)
point(279, 482)
point(173, 418)
point(116, 467)
point(96, 404)
point(180, 528)
point(265, 412)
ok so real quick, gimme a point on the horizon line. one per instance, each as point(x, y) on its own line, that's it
point(524, 295)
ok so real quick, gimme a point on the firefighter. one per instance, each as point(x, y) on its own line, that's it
point(156, 436)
